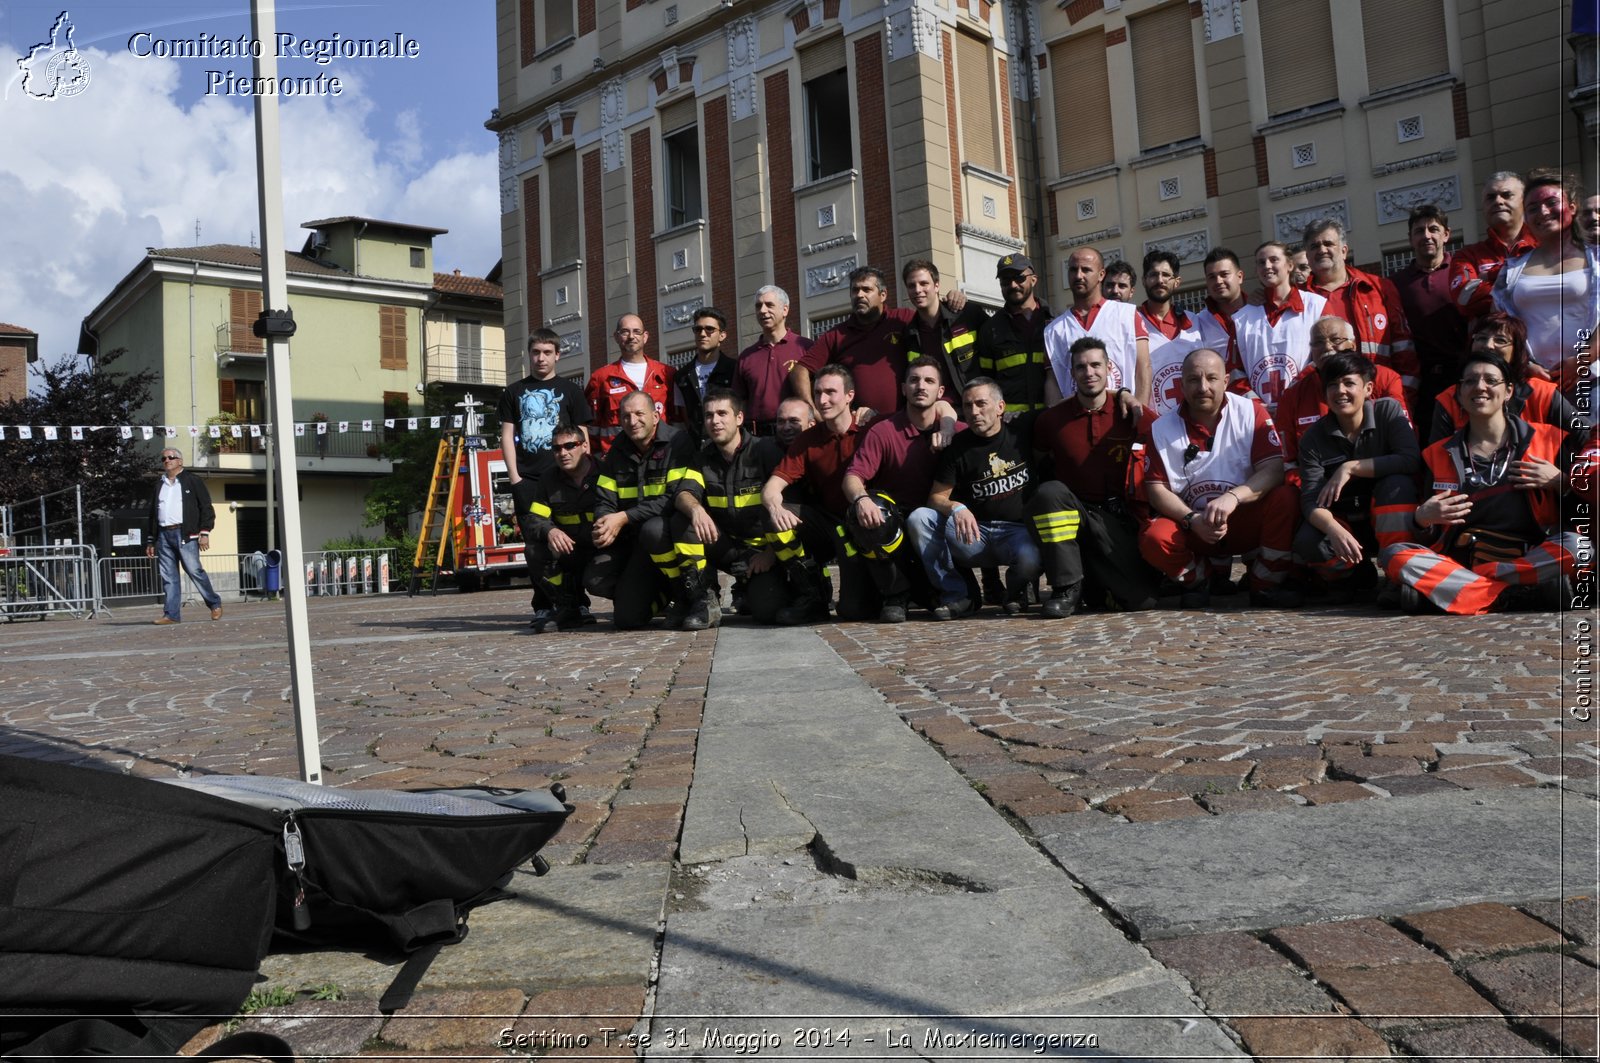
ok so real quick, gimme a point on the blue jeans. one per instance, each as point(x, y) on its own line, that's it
point(999, 542)
point(171, 551)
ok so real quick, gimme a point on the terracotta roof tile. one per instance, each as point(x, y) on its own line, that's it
point(16, 330)
point(458, 284)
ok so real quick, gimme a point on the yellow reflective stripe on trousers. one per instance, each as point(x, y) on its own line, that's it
point(1058, 527)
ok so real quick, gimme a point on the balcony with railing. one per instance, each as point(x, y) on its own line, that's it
point(347, 452)
point(238, 343)
point(449, 363)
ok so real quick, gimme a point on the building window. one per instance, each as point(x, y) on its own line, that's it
point(1297, 54)
point(828, 147)
point(823, 324)
point(563, 193)
point(469, 350)
point(681, 151)
point(558, 21)
point(419, 258)
point(975, 82)
point(1405, 41)
point(1165, 98)
point(244, 306)
point(391, 337)
point(1082, 103)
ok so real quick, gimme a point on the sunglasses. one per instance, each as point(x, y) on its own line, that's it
point(705, 330)
point(568, 446)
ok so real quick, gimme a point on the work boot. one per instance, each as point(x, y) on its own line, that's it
point(894, 610)
point(685, 592)
point(994, 591)
point(1062, 603)
point(700, 613)
point(807, 601)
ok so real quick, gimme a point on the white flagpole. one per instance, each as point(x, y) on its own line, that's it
point(279, 326)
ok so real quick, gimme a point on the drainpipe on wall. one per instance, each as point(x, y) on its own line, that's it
point(194, 398)
point(1041, 261)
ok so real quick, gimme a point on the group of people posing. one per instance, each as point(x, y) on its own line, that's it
point(1123, 452)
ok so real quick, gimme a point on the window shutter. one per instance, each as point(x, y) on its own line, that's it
point(975, 85)
point(391, 337)
point(1405, 41)
point(225, 394)
point(1082, 103)
point(1163, 60)
point(675, 116)
point(557, 21)
point(244, 306)
point(821, 58)
point(564, 216)
point(1297, 54)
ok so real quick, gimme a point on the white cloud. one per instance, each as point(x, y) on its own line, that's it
point(87, 183)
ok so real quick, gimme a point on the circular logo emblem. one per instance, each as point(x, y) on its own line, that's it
point(1380, 321)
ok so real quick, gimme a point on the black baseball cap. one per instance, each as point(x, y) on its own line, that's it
point(1013, 264)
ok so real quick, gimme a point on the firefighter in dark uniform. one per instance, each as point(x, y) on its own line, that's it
point(720, 524)
point(937, 331)
point(560, 527)
point(1010, 344)
point(636, 565)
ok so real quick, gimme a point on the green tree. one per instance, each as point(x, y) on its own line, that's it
point(114, 472)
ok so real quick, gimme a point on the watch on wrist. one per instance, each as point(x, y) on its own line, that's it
point(1188, 520)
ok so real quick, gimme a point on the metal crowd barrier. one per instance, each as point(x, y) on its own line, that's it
point(40, 581)
point(243, 576)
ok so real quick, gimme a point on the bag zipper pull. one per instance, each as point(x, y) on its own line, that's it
point(294, 852)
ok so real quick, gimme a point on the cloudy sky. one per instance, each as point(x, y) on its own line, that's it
point(153, 146)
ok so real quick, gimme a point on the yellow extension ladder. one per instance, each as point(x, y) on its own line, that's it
point(438, 534)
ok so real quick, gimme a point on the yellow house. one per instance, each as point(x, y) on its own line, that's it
point(368, 309)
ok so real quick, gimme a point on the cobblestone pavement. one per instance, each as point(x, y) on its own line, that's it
point(1165, 715)
point(1124, 718)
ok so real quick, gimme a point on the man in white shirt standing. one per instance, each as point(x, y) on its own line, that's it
point(181, 519)
point(1115, 324)
point(1274, 337)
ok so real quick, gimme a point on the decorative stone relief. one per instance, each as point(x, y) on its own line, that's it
point(1395, 204)
point(990, 236)
point(678, 315)
point(678, 286)
point(1189, 247)
point(1223, 19)
point(669, 65)
point(1173, 218)
point(1290, 226)
point(508, 167)
point(744, 47)
point(828, 245)
point(821, 279)
point(571, 342)
point(1022, 68)
point(611, 151)
point(562, 319)
point(914, 29)
point(826, 216)
point(613, 102)
point(1430, 159)
point(680, 258)
point(1321, 184)
point(743, 90)
point(990, 208)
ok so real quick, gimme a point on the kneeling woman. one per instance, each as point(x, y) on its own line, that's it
point(1491, 533)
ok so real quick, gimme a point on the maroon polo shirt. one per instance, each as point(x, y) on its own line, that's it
point(1437, 328)
point(761, 378)
point(818, 458)
point(1090, 447)
point(897, 459)
point(875, 354)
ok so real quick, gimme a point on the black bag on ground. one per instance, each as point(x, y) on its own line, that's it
point(392, 871)
point(153, 905)
point(121, 898)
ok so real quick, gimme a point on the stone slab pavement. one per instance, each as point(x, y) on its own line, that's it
point(1117, 728)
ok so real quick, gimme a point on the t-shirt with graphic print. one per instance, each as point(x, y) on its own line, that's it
point(534, 408)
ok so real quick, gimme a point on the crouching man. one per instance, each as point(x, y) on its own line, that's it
point(1215, 487)
point(721, 524)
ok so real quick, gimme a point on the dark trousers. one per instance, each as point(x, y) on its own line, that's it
point(1096, 543)
point(632, 574)
point(825, 538)
point(765, 592)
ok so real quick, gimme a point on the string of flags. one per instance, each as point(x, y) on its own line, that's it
point(52, 433)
